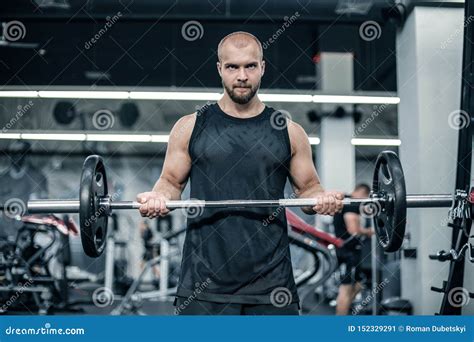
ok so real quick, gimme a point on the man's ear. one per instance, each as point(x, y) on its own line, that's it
point(219, 68)
point(263, 67)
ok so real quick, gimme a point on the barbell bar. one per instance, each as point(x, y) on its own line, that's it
point(72, 206)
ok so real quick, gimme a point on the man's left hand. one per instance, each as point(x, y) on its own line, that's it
point(329, 203)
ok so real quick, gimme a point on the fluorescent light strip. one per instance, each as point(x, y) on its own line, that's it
point(163, 138)
point(314, 140)
point(10, 136)
point(53, 136)
point(198, 96)
point(18, 94)
point(119, 137)
point(356, 99)
point(120, 95)
point(285, 98)
point(155, 138)
point(375, 142)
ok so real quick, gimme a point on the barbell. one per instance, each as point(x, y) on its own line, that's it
point(387, 204)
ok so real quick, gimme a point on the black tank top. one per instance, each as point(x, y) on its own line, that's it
point(237, 255)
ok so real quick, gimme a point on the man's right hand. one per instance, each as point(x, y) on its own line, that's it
point(153, 204)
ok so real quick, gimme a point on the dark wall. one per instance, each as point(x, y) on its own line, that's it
point(154, 53)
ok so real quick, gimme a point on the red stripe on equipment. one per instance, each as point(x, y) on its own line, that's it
point(297, 224)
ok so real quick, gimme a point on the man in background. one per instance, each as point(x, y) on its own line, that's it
point(349, 226)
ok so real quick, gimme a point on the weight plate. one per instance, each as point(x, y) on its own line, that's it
point(93, 217)
point(389, 184)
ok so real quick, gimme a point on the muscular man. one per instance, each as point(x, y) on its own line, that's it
point(237, 149)
point(348, 227)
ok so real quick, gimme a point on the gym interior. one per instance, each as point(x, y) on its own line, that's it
point(382, 88)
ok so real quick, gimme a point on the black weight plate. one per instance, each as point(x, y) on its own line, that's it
point(389, 183)
point(93, 217)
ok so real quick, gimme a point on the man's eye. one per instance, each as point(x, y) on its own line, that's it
point(253, 66)
point(231, 67)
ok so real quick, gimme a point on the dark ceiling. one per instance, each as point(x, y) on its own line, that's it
point(322, 10)
point(145, 45)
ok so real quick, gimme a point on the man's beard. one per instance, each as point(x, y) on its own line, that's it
point(244, 98)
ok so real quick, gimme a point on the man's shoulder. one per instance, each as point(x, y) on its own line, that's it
point(297, 135)
point(295, 128)
point(187, 119)
point(182, 129)
point(185, 123)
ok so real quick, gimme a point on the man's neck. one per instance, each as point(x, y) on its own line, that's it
point(253, 108)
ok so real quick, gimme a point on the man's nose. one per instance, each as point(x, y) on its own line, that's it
point(242, 76)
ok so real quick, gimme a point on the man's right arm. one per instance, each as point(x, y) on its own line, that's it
point(175, 171)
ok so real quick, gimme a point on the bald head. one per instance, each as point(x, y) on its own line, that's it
point(239, 39)
point(241, 66)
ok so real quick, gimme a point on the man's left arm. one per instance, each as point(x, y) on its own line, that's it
point(305, 179)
